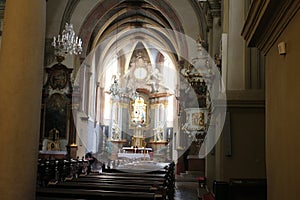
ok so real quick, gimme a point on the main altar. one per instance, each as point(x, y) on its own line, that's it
point(139, 103)
point(144, 130)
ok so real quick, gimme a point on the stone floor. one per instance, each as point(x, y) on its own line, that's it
point(186, 190)
point(187, 186)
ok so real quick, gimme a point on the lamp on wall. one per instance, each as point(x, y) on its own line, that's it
point(67, 43)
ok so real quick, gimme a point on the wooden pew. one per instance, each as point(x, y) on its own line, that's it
point(115, 181)
point(117, 185)
point(158, 190)
point(148, 188)
point(161, 175)
point(120, 177)
point(134, 184)
point(103, 186)
point(55, 193)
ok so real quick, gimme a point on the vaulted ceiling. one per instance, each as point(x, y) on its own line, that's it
point(107, 18)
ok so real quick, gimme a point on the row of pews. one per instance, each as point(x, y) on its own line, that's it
point(74, 179)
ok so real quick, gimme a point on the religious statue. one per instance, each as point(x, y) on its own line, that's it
point(115, 131)
point(158, 132)
point(154, 79)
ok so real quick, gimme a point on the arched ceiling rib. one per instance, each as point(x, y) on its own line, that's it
point(131, 20)
point(128, 15)
point(127, 38)
point(107, 18)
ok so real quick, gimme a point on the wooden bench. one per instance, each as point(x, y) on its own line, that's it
point(115, 181)
point(149, 187)
point(158, 190)
point(56, 193)
point(133, 174)
point(153, 183)
point(106, 186)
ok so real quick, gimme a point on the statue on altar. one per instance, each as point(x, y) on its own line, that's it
point(116, 131)
point(53, 140)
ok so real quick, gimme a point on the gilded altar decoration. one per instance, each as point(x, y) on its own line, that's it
point(198, 119)
point(59, 77)
point(53, 140)
point(139, 112)
point(56, 108)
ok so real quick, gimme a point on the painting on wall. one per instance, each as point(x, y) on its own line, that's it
point(56, 115)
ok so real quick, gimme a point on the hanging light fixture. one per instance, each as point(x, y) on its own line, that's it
point(115, 89)
point(67, 43)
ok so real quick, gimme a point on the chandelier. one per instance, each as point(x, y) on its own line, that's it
point(116, 90)
point(67, 43)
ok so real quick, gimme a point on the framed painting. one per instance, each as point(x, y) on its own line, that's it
point(56, 115)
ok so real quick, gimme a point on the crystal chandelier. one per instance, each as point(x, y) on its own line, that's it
point(116, 90)
point(67, 42)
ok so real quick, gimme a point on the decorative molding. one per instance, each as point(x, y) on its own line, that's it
point(245, 94)
point(255, 14)
point(70, 7)
point(246, 104)
point(201, 18)
point(246, 99)
point(266, 20)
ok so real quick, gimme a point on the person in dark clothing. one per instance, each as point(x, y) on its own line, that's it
point(91, 159)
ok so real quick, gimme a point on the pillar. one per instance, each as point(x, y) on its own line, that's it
point(21, 69)
point(236, 47)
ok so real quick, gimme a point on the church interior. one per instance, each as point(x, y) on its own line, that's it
point(149, 99)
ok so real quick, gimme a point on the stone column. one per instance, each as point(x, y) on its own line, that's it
point(236, 45)
point(21, 69)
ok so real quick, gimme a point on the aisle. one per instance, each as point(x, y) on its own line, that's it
point(186, 190)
